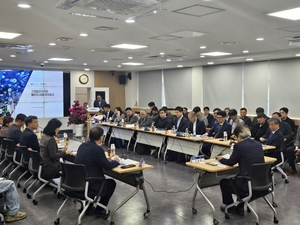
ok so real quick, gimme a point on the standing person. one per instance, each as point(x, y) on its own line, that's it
point(11, 201)
point(246, 153)
point(99, 102)
point(14, 132)
point(92, 155)
point(7, 123)
point(49, 151)
point(28, 138)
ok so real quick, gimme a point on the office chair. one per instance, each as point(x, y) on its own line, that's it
point(24, 163)
point(17, 160)
point(74, 184)
point(9, 154)
point(260, 184)
point(2, 147)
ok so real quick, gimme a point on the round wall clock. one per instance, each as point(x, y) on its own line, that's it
point(83, 79)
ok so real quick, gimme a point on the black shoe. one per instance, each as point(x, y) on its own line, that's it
point(101, 213)
point(240, 211)
point(232, 210)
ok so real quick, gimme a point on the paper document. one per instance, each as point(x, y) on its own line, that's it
point(125, 162)
point(226, 156)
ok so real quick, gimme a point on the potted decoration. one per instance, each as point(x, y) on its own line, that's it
point(77, 117)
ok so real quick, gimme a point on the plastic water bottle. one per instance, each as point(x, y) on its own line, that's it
point(152, 127)
point(186, 132)
point(225, 136)
point(82, 139)
point(173, 129)
point(112, 150)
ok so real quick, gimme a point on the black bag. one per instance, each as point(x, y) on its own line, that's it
point(142, 149)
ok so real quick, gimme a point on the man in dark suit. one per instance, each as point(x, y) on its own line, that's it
point(107, 113)
point(259, 110)
point(28, 138)
point(93, 157)
point(14, 132)
point(185, 112)
point(180, 122)
point(196, 126)
point(285, 129)
point(162, 121)
point(261, 128)
point(284, 118)
point(214, 121)
point(208, 116)
point(99, 102)
point(244, 117)
point(246, 153)
point(217, 131)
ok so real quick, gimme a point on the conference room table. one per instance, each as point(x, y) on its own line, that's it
point(202, 167)
point(132, 176)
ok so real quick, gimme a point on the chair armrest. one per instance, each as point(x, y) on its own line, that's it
point(241, 177)
point(96, 200)
point(94, 178)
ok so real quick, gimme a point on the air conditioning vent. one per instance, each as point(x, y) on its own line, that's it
point(294, 41)
point(65, 39)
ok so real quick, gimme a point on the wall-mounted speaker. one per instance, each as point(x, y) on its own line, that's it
point(122, 79)
point(129, 76)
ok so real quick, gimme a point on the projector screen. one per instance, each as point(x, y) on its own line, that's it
point(32, 92)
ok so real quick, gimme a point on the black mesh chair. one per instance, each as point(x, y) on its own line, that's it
point(36, 167)
point(9, 154)
point(74, 184)
point(2, 147)
point(260, 184)
point(24, 163)
point(17, 160)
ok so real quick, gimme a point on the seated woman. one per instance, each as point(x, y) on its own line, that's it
point(49, 151)
point(7, 122)
point(118, 115)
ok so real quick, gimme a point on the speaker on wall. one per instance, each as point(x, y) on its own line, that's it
point(122, 79)
point(129, 76)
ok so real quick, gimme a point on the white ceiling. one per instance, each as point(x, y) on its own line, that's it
point(239, 21)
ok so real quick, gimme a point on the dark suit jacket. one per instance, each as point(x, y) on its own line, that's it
point(110, 114)
point(254, 121)
point(165, 123)
point(213, 122)
point(94, 159)
point(246, 120)
point(210, 119)
point(257, 131)
point(290, 122)
point(30, 140)
point(200, 127)
point(184, 122)
point(101, 105)
point(245, 153)
point(225, 127)
point(14, 133)
point(286, 131)
point(276, 139)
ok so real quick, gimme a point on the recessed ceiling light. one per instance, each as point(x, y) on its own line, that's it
point(130, 57)
point(203, 47)
point(52, 44)
point(84, 64)
point(298, 55)
point(168, 60)
point(105, 61)
point(210, 63)
point(133, 64)
point(7, 35)
point(216, 53)
point(259, 39)
point(45, 61)
point(229, 43)
point(249, 59)
point(119, 66)
point(130, 20)
point(60, 59)
point(179, 65)
point(290, 14)
point(12, 56)
point(161, 53)
point(84, 35)
point(92, 50)
point(129, 46)
point(245, 51)
point(87, 69)
point(24, 6)
point(0, 59)
point(202, 56)
point(83, 14)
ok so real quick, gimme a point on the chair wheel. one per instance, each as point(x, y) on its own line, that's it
point(226, 216)
point(276, 220)
point(286, 181)
point(146, 214)
point(34, 202)
point(112, 223)
point(55, 190)
point(194, 210)
point(56, 222)
point(274, 205)
point(28, 196)
point(257, 223)
point(282, 176)
point(24, 190)
point(215, 222)
point(248, 210)
point(18, 185)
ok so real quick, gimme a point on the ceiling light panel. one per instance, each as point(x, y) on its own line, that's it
point(133, 64)
point(60, 59)
point(129, 46)
point(290, 14)
point(8, 35)
point(216, 53)
point(104, 28)
point(198, 10)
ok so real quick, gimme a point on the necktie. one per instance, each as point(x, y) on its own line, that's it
point(218, 131)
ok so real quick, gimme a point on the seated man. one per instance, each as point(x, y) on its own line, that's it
point(145, 120)
point(131, 117)
point(244, 117)
point(180, 122)
point(185, 112)
point(285, 129)
point(261, 128)
point(284, 118)
point(163, 122)
point(246, 153)
point(292, 152)
point(14, 132)
point(209, 117)
point(196, 126)
point(235, 121)
point(28, 138)
point(168, 114)
point(99, 102)
point(107, 113)
point(197, 110)
point(11, 201)
point(214, 121)
point(217, 131)
point(259, 110)
point(93, 157)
